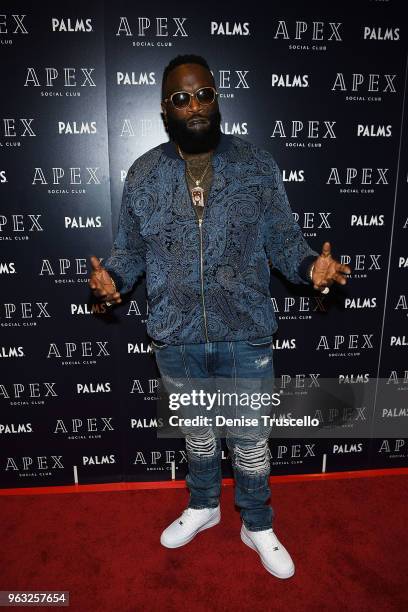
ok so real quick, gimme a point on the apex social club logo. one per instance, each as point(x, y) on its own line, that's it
point(350, 345)
point(310, 221)
point(79, 428)
point(289, 80)
point(146, 390)
point(298, 308)
point(12, 27)
point(359, 87)
point(361, 181)
point(40, 465)
point(23, 314)
point(230, 83)
point(227, 28)
point(308, 35)
point(141, 127)
point(15, 131)
point(380, 33)
point(290, 382)
point(65, 271)
point(68, 81)
point(312, 134)
point(372, 130)
point(346, 417)
point(290, 454)
point(399, 380)
point(402, 304)
point(135, 311)
point(27, 394)
point(73, 180)
point(362, 263)
point(291, 386)
point(152, 31)
point(393, 449)
point(86, 352)
point(77, 128)
point(161, 460)
point(69, 25)
point(20, 226)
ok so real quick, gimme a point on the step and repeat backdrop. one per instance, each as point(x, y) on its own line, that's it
point(322, 87)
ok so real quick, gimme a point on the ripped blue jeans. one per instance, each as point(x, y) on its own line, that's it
point(247, 368)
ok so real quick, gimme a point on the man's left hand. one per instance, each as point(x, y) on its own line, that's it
point(327, 270)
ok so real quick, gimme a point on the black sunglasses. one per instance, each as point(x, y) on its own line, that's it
point(182, 99)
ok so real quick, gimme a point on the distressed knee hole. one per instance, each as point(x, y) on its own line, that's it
point(253, 459)
point(262, 362)
point(173, 381)
point(204, 446)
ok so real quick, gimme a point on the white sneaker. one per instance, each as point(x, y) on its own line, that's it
point(185, 527)
point(275, 558)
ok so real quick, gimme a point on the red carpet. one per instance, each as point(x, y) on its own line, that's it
point(348, 539)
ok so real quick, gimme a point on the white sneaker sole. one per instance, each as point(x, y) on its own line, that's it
point(211, 523)
point(246, 540)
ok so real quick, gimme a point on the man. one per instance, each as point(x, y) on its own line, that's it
point(204, 215)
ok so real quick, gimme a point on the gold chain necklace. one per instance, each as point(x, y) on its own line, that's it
point(197, 192)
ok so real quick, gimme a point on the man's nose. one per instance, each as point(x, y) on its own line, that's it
point(194, 104)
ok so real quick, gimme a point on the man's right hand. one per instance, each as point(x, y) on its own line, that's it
point(101, 283)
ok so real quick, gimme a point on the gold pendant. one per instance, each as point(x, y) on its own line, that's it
point(197, 193)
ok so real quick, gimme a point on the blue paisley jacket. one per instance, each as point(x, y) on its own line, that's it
point(208, 280)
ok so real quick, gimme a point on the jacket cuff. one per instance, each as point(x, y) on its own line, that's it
point(303, 269)
point(116, 278)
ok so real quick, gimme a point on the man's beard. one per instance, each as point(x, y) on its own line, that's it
point(195, 141)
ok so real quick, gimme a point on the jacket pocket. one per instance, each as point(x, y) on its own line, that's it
point(264, 341)
point(158, 345)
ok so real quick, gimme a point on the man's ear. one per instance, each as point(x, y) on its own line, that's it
point(164, 111)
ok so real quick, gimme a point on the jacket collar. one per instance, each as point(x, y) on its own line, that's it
point(224, 144)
